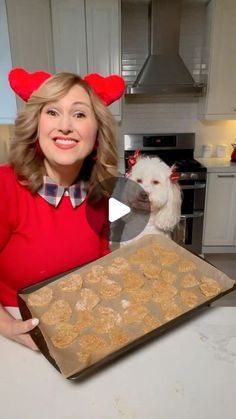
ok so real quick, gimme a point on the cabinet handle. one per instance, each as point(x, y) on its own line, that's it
point(225, 175)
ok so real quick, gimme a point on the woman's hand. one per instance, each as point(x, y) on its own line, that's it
point(17, 330)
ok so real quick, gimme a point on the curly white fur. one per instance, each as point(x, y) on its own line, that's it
point(157, 192)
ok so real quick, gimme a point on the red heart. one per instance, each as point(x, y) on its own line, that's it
point(24, 83)
point(109, 88)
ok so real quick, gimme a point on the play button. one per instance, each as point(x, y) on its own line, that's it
point(117, 210)
point(128, 208)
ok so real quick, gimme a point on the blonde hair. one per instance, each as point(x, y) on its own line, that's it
point(23, 154)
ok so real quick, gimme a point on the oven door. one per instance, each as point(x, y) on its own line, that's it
point(190, 229)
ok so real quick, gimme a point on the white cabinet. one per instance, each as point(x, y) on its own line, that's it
point(69, 36)
point(103, 40)
point(7, 97)
point(220, 214)
point(86, 38)
point(80, 36)
point(30, 32)
point(220, 100)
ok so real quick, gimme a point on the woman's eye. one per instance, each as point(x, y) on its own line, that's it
point(51, 112)
point(155, 182)
point(79, 115)
point(139, 180)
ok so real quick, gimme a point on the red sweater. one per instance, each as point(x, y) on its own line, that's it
point(38, 241)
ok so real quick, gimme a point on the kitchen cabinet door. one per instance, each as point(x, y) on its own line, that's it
point(69, 36)
point(220, 214)
point(103, 40)
point(30, 33)
point(220, 101)
point(7, 97)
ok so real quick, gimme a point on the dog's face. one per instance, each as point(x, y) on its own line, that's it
point(153, 176)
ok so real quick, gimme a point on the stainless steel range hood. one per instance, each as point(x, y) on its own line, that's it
point(164, 72)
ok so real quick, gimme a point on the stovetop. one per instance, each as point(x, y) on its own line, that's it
point(185, 165)
point(174, 149)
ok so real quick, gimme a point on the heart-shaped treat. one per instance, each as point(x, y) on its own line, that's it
point(24, 83)
point(109, 88)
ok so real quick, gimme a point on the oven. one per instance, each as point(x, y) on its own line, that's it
point(178, 149)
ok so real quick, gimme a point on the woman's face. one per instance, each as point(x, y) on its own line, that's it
point(67, 131)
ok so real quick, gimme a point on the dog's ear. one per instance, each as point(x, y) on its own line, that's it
point(169, 215)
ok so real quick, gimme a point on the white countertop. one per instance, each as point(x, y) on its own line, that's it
point(190, 372)
point(217, 164)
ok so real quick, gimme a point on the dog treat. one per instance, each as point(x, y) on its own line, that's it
point(171, 311)
point(163, 291)
point(40, 298)
point(189, 299)
point(150, 323)
point(86, 320)
point(97, 273)
point(118, 266)
point(187, 265)
point(109, 288)
point(118, 338)
point(102, 307)
point(157, 249)
point(70, 284)
point(125, 303)
point(140, 256)
point(150, 270)
point(65, 335)
point(121, 261)
point(189, 281)
point(132, 281)
point(141, 296)
point(135, 313)
point(168, 276)
point(84, 357)
point(105, 319)
point(209, 287)
point(92, 342)
point(87, 300)
point(59, 311)
point(168, 258)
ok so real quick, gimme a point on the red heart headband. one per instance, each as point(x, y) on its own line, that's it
point(109, 89)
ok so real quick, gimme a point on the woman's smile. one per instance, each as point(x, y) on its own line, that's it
point(65, 143)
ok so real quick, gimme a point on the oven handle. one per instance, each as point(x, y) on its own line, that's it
point(195, 186)
point(195, 214)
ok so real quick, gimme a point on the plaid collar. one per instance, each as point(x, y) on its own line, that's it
point(53, 193)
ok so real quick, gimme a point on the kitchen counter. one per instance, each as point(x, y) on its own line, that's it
point(217, 164)
point(190, 372)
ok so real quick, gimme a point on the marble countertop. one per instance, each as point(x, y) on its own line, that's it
point(217, 164)
point(189, 372)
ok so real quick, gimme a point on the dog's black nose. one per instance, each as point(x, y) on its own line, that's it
point(144, 195)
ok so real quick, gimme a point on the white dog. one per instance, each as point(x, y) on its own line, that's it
point(159, 194)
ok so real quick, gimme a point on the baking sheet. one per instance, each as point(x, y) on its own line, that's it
point(135, 320)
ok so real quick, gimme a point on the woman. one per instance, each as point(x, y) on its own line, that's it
point(64, 147)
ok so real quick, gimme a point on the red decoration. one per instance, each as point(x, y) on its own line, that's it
point(24, 83)
point(174, 175)
point(132, 161)
point(109, 89)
